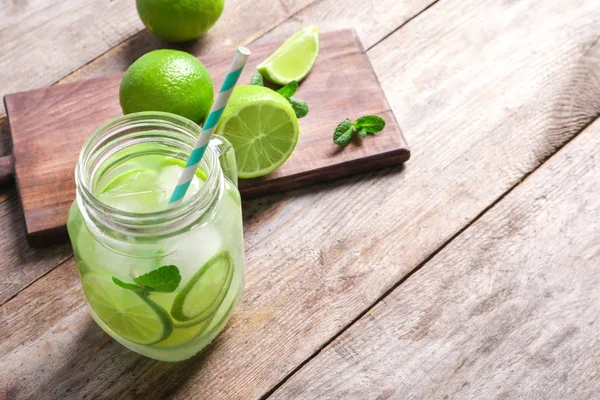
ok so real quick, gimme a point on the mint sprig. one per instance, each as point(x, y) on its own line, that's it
point(164, 279)
point(288, 90)
point(371, 124)
point(300, 107)
point(343, 133)
point(363, 126)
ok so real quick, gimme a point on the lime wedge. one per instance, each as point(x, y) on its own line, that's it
point(262, 127)
point(294, 59)
point(205, 291)
point(135, 318)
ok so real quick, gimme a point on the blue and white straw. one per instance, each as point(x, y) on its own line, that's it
point(218, 106)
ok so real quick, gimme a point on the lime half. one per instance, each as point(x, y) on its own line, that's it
point(133, 317)
point(262, 127)
point(203, 294)
point(294, 59)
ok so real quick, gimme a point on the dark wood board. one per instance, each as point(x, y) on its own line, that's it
point(49, 126)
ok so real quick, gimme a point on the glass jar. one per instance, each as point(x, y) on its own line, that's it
point(161, 281)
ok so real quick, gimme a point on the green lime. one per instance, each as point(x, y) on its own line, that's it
point(175, 161)
point(135, 191)
point(294, 59)
point(170, 81)
point(140, 177)
point(179, 20)
point(205, 291)
point(262, 127)
point(132, 316)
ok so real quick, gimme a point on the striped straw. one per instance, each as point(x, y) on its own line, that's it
point(231, 79)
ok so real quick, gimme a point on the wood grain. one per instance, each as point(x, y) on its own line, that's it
point(483, 112)
point(46, 152)
point(19, 264)
point(509, 310)
point(42, 41)
point(241, 23)
point(6, 170)
point(331, 15)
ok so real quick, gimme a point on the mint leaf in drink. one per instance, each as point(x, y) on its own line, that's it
point(343, 133)
point(288, 90)
point(126, 285)
point(163, 279)
point(257, 79)
point(371, 124)
point(299, 106)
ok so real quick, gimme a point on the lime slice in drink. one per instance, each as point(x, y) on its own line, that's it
point(141, 175)
point(294, 59)
point(183, 336)
point(135, 318)
point(205, 291)
point(135, 191)
point(262, 127)
point(175, 161)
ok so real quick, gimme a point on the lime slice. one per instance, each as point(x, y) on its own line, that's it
point(175, 161)
point(183, 336)
point(127, 178)
point(135, 318)
point(294, 59)
point(135, 191)
point(203, 294)
point(205, 317)
point(262, 127)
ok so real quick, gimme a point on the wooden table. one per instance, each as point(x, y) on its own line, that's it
point(471, 272)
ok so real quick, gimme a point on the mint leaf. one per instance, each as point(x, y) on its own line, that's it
point(163, 279)
point(371, 124)
point(288, 90)
point(362, 133)
point(126, 285)
point(257, 79)
point(343, 133)
point(299, 106)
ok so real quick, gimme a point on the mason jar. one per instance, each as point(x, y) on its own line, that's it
point(161, 281)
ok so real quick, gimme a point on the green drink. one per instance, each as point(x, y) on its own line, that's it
point(161, 281)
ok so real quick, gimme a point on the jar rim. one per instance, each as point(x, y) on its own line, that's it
point(181, 132)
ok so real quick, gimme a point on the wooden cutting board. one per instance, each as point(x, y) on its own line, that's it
point(49, 126)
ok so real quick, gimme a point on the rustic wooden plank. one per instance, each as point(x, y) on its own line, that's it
point(65, 116)
point(482, 113)
point(43, 41)
point(6, 170)
point(509, 310)
point(241, 23)
point(20, 265)
point(372, 19)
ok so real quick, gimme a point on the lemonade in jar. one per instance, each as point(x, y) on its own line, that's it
point(162, 281)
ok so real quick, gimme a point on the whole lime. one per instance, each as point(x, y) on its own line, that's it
point(179, 20)
point(167, 80)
